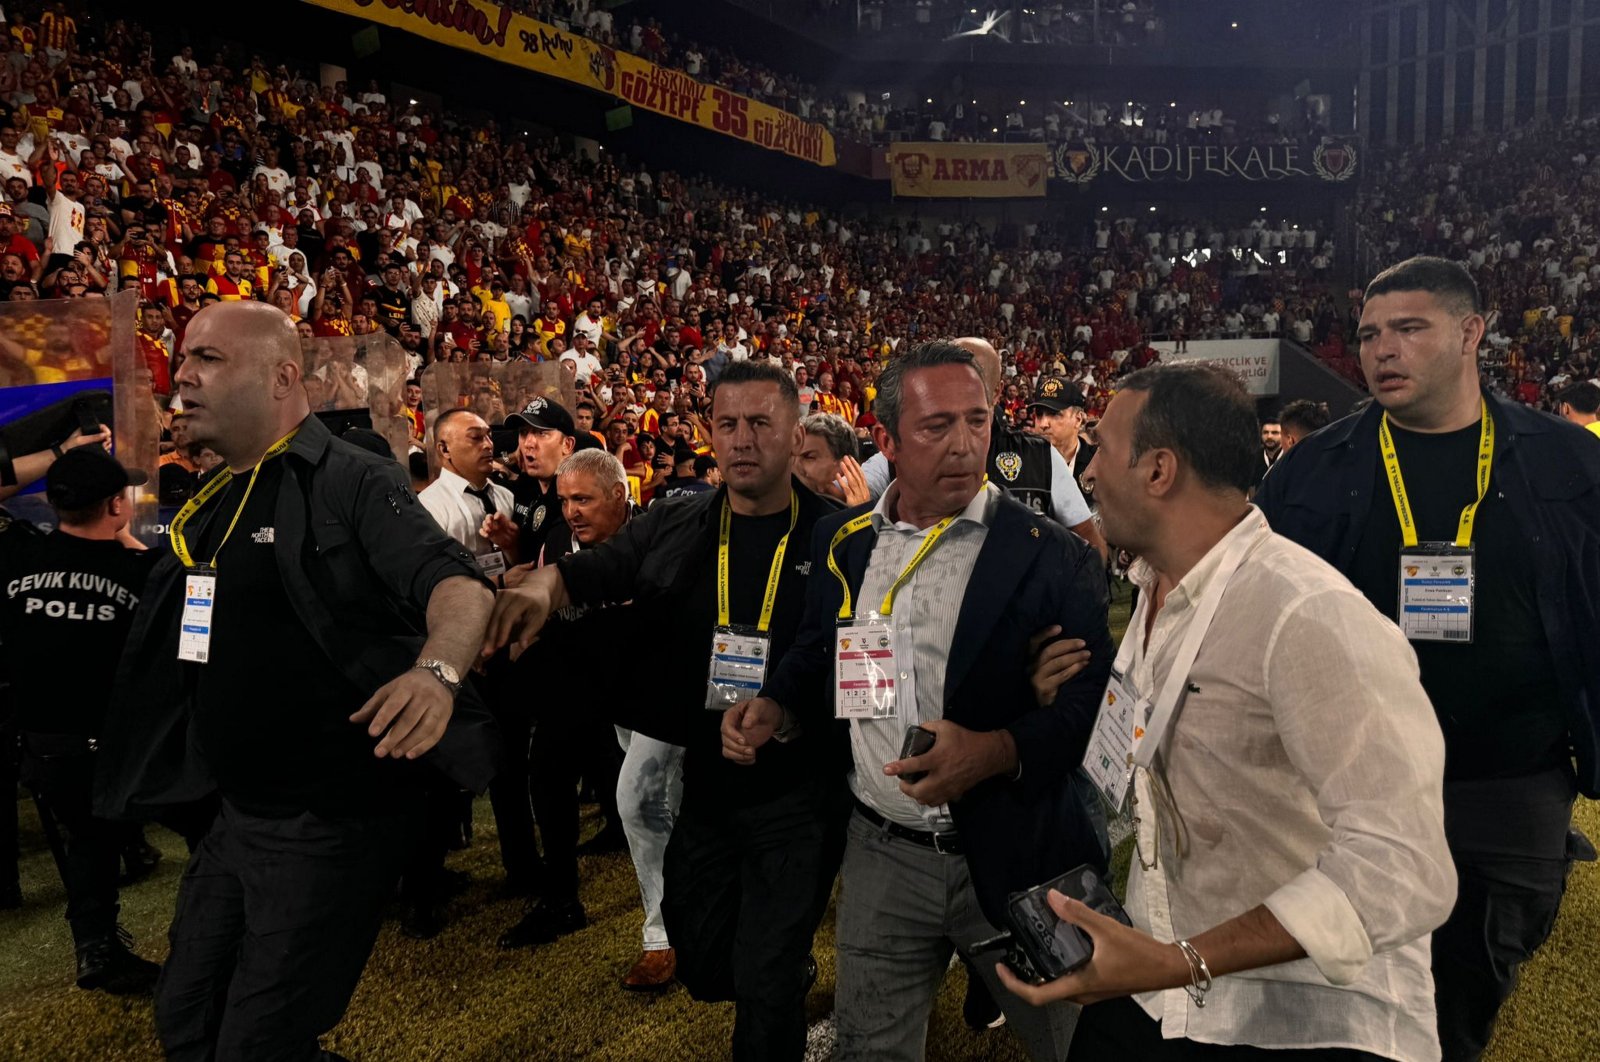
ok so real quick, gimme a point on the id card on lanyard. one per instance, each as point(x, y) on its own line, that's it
point(1129, 727)
point(1437, 581)
point(200, 580)
point(874, 667)
point(492, 565)
point(740, 653)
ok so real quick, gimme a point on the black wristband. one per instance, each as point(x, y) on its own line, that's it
point(55, 448)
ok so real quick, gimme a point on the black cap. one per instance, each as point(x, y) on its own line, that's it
point(85, 476)
point(543, 413)
point(1056, 394)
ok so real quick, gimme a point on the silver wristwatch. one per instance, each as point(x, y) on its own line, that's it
point(448, 676)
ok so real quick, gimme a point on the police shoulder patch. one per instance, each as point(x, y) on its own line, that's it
point(1009, 464)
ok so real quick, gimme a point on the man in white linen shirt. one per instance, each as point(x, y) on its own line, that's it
point(463, 499)
point(1290, 825)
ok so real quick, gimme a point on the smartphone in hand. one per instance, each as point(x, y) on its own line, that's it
point(919, 740)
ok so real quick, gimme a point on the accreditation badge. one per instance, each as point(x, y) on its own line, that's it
point(739, 658)
point(870, 677)
point(1118, 729)
point(199, 603)
point(1436, 592)
point(492, 565)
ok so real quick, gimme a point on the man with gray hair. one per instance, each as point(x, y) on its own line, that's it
point(827, 459)
point(565, 743)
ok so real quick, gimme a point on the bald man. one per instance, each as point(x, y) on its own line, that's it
point(326, 622)
point(1025, 466)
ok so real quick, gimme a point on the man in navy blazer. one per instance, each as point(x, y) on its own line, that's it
point(929, 865)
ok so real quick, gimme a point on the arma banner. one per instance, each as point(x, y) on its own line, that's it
point(496, 32)
point(952, 171)
point(1333, 159)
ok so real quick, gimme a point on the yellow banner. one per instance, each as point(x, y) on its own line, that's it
point(953, 171)
point(496, 32)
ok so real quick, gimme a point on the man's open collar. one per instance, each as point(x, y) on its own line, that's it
point(311, 441)
point(1510, 415)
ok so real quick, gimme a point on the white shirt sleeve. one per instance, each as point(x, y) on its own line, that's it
point(1066, 500)
point(1385, 875)
point(877, 474)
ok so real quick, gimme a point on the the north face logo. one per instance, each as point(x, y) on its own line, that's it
point(266, 536)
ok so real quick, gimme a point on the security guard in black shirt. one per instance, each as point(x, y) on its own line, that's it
point(754, 851)
point(67, 604)
point(1472, 521)
point(306, 635)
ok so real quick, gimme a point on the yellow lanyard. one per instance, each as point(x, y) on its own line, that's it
point(846, 607)
point(768, 599)
point(1397, 483)
point(175, 532)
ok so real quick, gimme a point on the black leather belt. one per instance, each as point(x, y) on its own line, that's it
point(946, 843)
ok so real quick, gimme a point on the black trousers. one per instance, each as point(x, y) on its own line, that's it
point(274, 923)
point(568, 743)
point(9, 776)
point(422, 879)
point(1508, 837)
point(508, 791)
point(1118, 1030)
point(90, 848)
point(745, 888)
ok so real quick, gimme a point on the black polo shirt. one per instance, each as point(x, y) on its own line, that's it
point(278, 748)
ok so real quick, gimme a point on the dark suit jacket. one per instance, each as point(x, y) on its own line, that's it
point(1030, 573)
point(359, 557)
point(1320, 492)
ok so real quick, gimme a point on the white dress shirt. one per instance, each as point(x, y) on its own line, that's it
point(924, 619)
point(460, 513)
point(1305, 770)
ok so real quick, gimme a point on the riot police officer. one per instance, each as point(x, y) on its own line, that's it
point(66, 604)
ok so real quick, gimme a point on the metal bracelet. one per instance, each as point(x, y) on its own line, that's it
point(1199, 974)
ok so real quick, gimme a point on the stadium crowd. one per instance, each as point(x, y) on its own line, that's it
point(238, 179)
point(1519, 207)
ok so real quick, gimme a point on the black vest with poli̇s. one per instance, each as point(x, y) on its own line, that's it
point(1019, 464)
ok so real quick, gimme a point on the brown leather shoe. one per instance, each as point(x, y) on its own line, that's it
point(653, 972)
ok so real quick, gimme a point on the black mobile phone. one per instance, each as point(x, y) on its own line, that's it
point(919, 739)
point(1045, 947)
